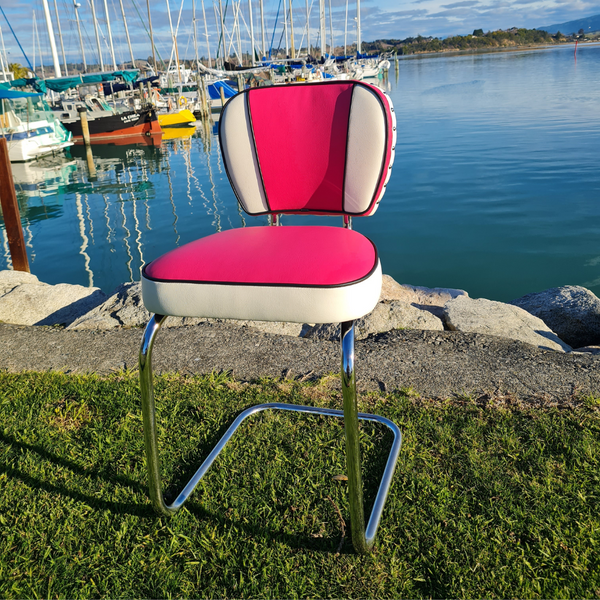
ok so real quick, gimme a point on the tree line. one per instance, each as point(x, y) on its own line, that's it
point(477, 40)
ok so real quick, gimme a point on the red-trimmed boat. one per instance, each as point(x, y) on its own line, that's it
point(106, 125)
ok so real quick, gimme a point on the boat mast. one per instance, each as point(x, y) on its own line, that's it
point(217, 30)
point(173, 42)
point(76, 5)
point(39, 48)
point(206, 35)
point(331, 46)
point(346, 31)
point(4, 59)
point(262, 28)
point(307, 29)
point(222, 32)
point(292, 31)
point(62, 46)
point(57, 72)
point(285, 30)
point(112, 50)
point(195, 32)
point(97, 35)
point(322, 25)
point(251, 33)
point(127, 35)
point(154, 66)
point(34, 40)
point(358, 38)
point(238, 23)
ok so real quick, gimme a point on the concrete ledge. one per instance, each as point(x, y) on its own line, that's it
point(436, 364)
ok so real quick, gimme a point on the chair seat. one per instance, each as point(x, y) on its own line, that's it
point(298, 274)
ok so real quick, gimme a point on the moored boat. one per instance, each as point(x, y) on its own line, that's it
point(29, 126)
point(108, 125)
point(180, 118)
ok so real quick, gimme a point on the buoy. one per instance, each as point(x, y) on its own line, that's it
point(182, 101)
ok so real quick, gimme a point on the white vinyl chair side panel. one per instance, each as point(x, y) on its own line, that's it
point(366, 149)
point(240, 156)
point(264, 303)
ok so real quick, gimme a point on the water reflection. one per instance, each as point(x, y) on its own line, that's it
point(102, 231)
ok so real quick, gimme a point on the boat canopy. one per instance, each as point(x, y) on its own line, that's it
point(112, 88)
point(61, 84)
point(13, 95)
point(16, 83)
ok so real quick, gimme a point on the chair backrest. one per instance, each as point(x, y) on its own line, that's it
point(319, 148)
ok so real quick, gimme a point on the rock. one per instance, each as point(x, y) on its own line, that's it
point(10, 279)
point(43, 304)
point(572, 311)
point(504, 320)
point(124, 308)
point(385, 316)
point(588, 350)
point(275, 327)
point(429, 299)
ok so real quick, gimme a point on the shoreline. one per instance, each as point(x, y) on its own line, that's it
point(494, 50)
point(427, 357)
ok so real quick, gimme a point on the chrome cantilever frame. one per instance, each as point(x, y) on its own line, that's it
point(362, 539)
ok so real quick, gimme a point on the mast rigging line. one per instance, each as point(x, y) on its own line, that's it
point(148, 32)
point(221, 36)
point(274, 28)
point(16, 38)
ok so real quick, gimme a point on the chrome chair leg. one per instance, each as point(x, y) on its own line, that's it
point(355, 488)
point(362, 539)
point(149, 415)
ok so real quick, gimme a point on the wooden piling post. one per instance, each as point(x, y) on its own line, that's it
point(222, 97)
point(205, 99)
point(150, 94)
point(10, 211)
point(85, 131)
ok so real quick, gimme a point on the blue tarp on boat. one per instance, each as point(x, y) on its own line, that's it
point(214, 90)
point(112, 88)
point(13, 95)
point(62, 84)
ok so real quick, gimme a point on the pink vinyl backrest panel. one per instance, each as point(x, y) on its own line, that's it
point(309, 148)
point(300, 137)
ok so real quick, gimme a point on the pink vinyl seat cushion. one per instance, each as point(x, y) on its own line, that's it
point(302, 274)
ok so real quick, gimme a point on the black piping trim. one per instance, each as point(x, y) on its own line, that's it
point(262, 181)
point(221, 120)
point(346, 150)
point(286, 285)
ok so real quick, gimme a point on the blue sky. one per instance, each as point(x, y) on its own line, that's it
point(381, 19)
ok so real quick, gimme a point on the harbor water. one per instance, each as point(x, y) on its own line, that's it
point(495, 188)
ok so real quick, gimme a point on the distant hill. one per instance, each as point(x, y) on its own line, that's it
point(589, 24)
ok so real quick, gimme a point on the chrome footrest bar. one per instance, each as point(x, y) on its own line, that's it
point(363, 539)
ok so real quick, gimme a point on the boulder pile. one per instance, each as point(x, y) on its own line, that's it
point(560, 319)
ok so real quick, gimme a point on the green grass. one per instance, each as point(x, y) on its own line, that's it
point(487, 501)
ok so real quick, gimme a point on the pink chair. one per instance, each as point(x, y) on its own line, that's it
point(324, 148)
